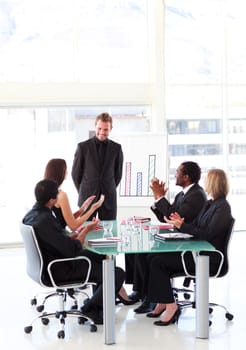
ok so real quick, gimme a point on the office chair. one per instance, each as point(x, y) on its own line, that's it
point(35, 267)
point(222, 270)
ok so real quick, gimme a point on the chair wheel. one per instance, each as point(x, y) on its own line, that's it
point(28, 329)
point(40, 308)
point(34, 301)
point(210, 310)
point(186, 296)
point(45, 321)
point(229, 316)
point(81, 320)
point(210, 323)
point(61, 334)
point(93, 328)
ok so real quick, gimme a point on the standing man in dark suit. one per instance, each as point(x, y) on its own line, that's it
point(187, 203)
point(97, 168)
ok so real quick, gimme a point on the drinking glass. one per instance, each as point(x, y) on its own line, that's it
point(153, 230)
point(107, 229)
point(125, 232)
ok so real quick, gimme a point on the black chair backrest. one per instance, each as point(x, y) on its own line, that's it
point(225, 266)
point(34, 261)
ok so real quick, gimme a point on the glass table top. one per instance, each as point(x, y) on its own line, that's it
point(143, 243)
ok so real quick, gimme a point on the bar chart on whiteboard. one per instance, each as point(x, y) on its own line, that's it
point(143, 160)
point(138, 183)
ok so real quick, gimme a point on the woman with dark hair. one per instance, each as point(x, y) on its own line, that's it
point(56, 170)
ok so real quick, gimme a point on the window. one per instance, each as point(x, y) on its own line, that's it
point(74, 41)
point(205, 89)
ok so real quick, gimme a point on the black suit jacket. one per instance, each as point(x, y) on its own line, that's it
point(188, 207)
point(91, 179)
point(55, 243)
point(212, 223)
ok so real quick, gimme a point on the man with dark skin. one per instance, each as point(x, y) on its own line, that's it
point(187, 203)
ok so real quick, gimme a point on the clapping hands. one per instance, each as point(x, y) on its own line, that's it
point(174, 219)
point(97, 204)
point(87, 203)
point(158, 187)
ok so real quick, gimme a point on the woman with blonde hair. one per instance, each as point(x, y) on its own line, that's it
point(56, 170)
point(212, 224)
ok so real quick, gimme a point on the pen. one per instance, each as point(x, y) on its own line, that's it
point(113, 239)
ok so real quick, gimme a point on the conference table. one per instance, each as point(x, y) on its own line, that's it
point(146, 244)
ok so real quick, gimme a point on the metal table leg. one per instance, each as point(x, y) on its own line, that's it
point(202, 296)
point(109, 301)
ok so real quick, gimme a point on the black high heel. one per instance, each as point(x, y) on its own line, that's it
point(124, 301)
point(173, 319)
point(153, 315)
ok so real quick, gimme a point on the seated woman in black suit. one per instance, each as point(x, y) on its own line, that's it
point(211, 225)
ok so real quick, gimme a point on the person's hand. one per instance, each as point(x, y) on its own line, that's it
point(97, 204)
point(158, 187)
point(73, 235)
point(86, 229)
point(87, 203)
point(175, 219)
point(92, 225)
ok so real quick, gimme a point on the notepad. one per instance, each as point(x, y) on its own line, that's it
point(101, 242)
point(161, 226)
point(173, 236)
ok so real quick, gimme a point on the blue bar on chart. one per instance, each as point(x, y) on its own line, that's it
point(139, 188)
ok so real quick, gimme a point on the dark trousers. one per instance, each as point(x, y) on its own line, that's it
point(129, 268)
point(158, 275)
point(96, 276)
point(135, 266)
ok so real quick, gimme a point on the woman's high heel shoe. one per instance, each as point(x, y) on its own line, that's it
point(173, 319)
point(155, 315)
point(124, 301)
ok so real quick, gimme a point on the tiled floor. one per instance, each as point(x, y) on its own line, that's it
point(132, 331)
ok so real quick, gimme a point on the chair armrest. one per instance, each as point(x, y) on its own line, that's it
point(184, 264)
point(221, 255)
point(69, 285)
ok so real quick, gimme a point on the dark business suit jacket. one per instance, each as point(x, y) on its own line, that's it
point(90, 178)
point(211, 224)
point(188, 207)
point(56, 244)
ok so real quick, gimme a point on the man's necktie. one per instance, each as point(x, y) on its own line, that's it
point(180, 199)
point(101, 152)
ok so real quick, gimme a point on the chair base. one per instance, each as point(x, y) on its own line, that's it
point(61, 316)
point(55, 293)
point(62, 313)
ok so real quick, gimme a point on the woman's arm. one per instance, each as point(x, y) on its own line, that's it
point(84, 207)
point(71, 222)
point(93, 207)
point(89, 227)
